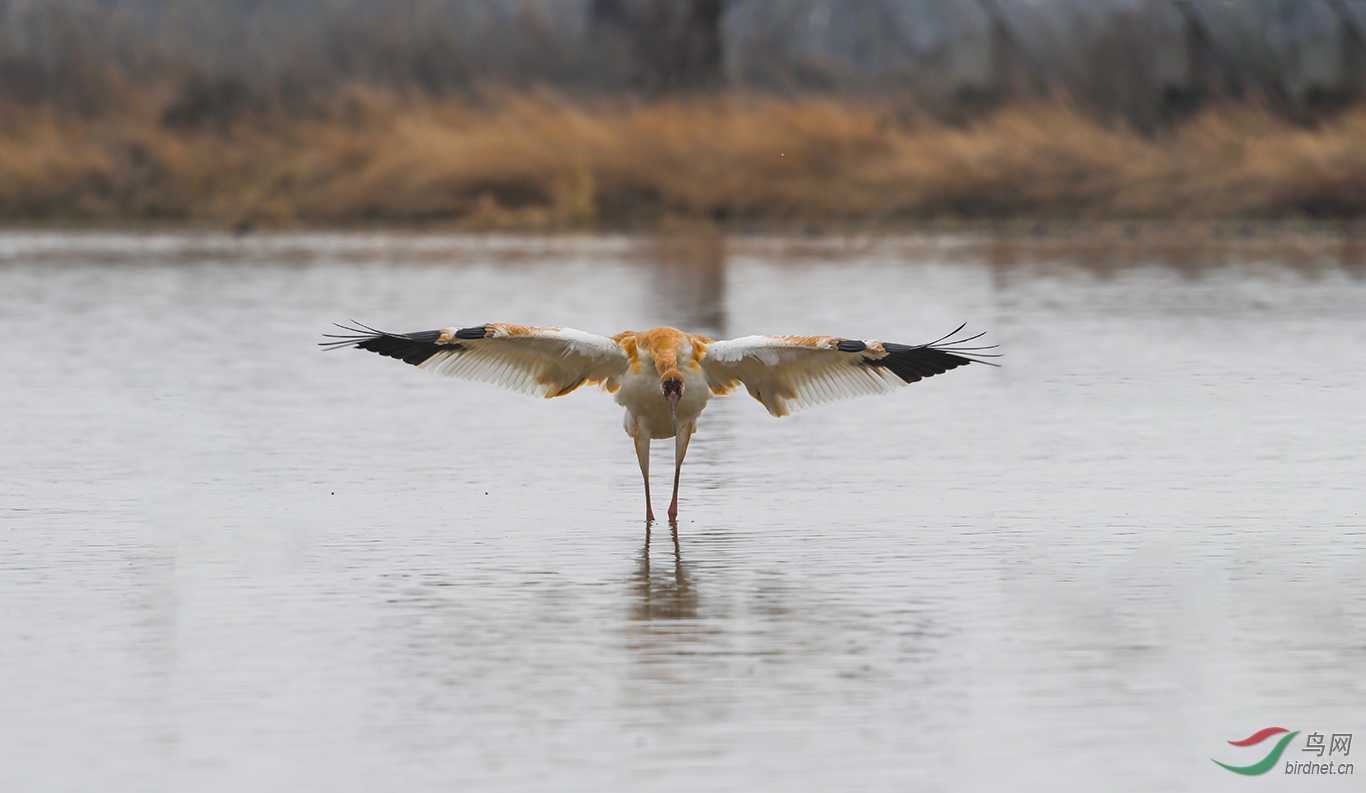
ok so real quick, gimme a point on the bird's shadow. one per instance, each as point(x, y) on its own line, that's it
point(661, 593)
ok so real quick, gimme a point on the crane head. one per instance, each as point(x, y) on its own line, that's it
point(672, 384)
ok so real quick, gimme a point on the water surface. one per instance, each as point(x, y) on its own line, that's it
point(231, 562)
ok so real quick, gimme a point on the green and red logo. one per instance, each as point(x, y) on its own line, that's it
point(1268, 762)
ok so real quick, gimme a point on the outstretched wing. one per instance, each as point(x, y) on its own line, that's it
point(546, 362)
point(789, 373)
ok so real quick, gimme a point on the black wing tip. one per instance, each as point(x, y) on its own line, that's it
point(957, 347)
point(914, 362)
point(352, 336)
point(413, 348)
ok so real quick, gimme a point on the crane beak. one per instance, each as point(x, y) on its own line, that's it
point(673, 409)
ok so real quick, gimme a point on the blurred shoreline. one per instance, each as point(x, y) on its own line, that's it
point(1102, 246)
point(550, 116)
point(538, 162)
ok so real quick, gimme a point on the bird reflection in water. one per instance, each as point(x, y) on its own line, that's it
point(661, 596)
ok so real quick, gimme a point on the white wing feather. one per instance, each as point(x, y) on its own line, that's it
point(544, 362)
point(787, 376)
point(790, 373)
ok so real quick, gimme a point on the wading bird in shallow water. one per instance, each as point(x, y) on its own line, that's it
point(664, 377)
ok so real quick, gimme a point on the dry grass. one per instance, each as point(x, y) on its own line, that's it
point(537, 162)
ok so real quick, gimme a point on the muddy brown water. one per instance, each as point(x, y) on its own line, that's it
point(231, 562)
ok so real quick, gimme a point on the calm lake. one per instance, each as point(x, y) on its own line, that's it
point(232, 562)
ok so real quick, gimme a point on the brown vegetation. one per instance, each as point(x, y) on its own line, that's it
point(539, 162)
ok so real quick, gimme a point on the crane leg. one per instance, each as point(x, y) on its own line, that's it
point(642, 440)
point(681, 438)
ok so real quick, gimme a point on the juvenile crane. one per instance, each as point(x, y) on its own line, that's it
point(664, 377)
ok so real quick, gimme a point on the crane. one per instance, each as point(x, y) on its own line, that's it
point(664, 377)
